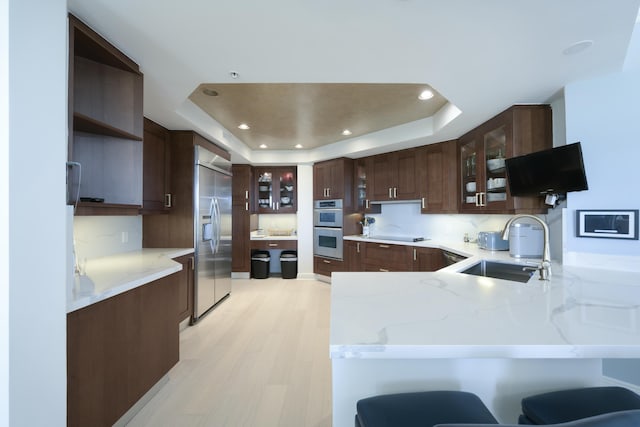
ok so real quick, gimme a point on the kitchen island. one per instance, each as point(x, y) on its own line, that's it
point(503, 340)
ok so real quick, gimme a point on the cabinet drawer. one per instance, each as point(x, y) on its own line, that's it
point(274, 244)
point(388, 257)
point(326, 266)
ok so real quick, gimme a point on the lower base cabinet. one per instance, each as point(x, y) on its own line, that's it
point(117, 349)
point(371, 256)
point(326, 266)
point(427, 259)
point(185, 287)
point(385, 257)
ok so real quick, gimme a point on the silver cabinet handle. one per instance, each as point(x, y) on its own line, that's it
point(423, 206)
point(384, 270)
point(273, 245)
point(478, 199)
point(246, 194)
point(246, 206)
point(167, 200)
point(395, 192)
point(390, 193)
point(483, 199)
point(384, 246)
point(366, 203)
point(326, 262)
point(358, 247)
point(328, 192)
point(415, 254)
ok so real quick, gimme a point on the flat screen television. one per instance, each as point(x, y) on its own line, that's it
point(554, 171)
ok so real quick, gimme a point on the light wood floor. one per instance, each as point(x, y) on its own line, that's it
point(259, 359)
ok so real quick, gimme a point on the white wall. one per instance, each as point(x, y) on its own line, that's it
point(602, 113)
point(37, 223)
point(305, 221)
point(4, 214)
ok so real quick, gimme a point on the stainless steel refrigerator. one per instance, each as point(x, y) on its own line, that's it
point(212, 198)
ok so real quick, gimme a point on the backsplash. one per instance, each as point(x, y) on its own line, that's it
point(277, 222)
point(98, 236)
point(405, 219)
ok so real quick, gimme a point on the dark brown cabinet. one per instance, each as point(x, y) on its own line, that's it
point(386, 257)
point(519, 130)
point(156, 178)
point(437, 177)
point(241, 207)
point(267, 244)
point(393, 176)
point(326, 266)
point(184, 279)
point(353, 255)
point(427, 259)
point(276, 189)
point(117, 349)
point(333, 179)
point(105, 126)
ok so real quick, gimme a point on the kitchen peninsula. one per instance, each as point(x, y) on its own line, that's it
point(398, 332)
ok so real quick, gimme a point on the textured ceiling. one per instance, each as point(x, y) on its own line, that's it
point(280, 116)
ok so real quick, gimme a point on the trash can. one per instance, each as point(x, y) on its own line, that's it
point(260, 264)
point(289, 264)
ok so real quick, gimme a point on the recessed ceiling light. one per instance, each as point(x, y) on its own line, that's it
point(298, 145)
point(209, 92)
point(234, 74)
point(263, 145)
point(578, 47)
point(243, 126)
point(346, 132)
point(425, 94)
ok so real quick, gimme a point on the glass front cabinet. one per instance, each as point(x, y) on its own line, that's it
point(517, 131)
point(276, 189)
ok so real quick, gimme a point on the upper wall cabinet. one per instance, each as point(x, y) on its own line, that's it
point(277, 189)
point(519, 130)
point(333, 179)
point(437, 177)
point(105, 125)
point(393, 176)
point(156, 196)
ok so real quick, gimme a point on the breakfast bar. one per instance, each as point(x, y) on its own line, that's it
point(503, 340)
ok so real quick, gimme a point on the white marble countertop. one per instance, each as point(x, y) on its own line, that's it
point(113, 275)
point(579, 313)
point(256, 236)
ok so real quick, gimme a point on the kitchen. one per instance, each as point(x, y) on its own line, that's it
point(605, 129)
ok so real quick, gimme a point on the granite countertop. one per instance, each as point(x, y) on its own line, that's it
point(579, 313)
point(115, 274)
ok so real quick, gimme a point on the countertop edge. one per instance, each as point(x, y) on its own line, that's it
point(148, 265)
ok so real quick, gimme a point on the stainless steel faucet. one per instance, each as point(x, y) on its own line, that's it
point(545, 265)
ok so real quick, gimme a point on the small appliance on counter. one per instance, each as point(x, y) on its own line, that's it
point(492, 241)
point(526, 240)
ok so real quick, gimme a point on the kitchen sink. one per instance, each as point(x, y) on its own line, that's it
point(501, 270)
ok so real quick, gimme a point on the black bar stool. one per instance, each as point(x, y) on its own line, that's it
point(424, 409)
point(573, 404)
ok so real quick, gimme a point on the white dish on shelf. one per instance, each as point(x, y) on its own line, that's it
point(471, 186)
point(495, 164)
point(471, 199)
point(496, 197)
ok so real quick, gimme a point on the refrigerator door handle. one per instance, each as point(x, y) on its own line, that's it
point(218, 228)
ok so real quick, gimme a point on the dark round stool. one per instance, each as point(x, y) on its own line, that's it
point(573, 404)
point(425, 409)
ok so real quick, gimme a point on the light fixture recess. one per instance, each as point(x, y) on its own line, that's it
point(209, 92)
point(425, 94)
point(243, 126)
point(263, 145)
point(298, 146)
point(346, 132)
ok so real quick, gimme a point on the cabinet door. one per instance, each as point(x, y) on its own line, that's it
point(353, 255)
point(276, 189)
point(437, 177)
point(325, 266)
point(156, 164)
point(184, 279)
point(382, 177)
point(241, 187)
point(385, 257)
point(427, 259)
point(328, 180)
point(405, 184)
point(472, 175)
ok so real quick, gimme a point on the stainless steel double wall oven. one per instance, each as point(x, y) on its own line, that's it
point(327, 228)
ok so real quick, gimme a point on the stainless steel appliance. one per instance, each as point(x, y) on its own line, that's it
point(450, 258)
point(212, 199)
point(327, 213)
point(327, 242)
point(327, 230)
point(526, 240)
point(492, 240)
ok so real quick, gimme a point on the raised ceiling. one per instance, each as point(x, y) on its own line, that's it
point(482, 56)
point(286, 116)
